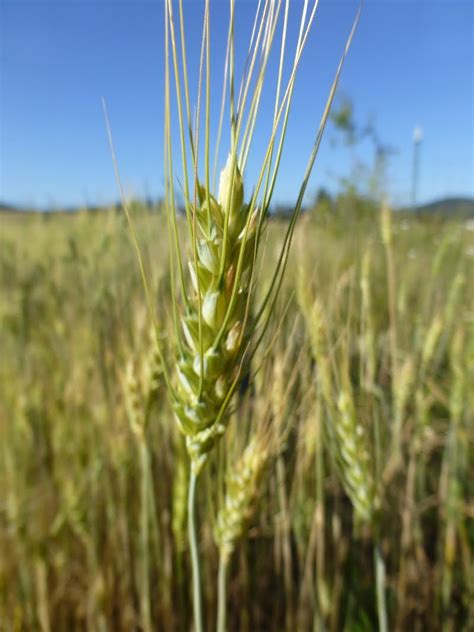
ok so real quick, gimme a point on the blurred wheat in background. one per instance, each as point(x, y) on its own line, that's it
point(327, 413)
point(93, 473)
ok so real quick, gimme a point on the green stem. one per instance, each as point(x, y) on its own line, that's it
point(221, 593)
point(193, 545)
point(380, 586)
point(145, 538)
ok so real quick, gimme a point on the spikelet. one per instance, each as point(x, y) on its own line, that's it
point(241, 493)
point(354, 458)
point(403, 390)
point(152, 373)
point(317, 331)
point(134, 400)
point(215, 326)
point(141, 382)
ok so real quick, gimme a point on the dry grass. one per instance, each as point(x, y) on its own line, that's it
point(92, 470)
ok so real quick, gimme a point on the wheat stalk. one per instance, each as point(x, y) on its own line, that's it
point(141, 383)
point(349, 444)
point(218, 325)
point(242, 489)
point(241, 492)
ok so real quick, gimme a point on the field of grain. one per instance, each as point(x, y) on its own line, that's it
point(363, 386)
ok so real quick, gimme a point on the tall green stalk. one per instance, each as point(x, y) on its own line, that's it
point(193, 545)
point(145, 537)
point(380, 587)
point(222, 593)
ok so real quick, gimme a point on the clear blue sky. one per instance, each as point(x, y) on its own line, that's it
point(412, 62)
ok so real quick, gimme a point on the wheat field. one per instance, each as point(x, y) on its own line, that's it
point(361, 389)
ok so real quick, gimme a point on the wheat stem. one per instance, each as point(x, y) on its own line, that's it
point(222, 592)
point(193, 545)
point(380, 587)
point(387, 239)
point(145, 538)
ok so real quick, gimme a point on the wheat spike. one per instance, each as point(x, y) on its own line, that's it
point(215, 327)
point(241, 492)
point(354, 458)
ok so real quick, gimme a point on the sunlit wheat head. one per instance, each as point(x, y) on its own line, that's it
point(218, 322)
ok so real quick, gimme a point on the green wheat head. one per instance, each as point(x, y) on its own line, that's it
point(219, 317)
point(216, 326)
point(241, 493)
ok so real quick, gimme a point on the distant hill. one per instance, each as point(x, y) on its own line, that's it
point(8, 208)
point(71, 210)
point(448, 207)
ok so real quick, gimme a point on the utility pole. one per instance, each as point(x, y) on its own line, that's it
point(417, 140)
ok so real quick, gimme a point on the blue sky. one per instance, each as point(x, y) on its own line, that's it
point(412, 62)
